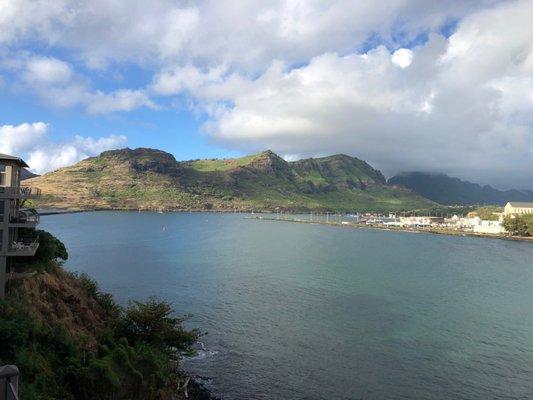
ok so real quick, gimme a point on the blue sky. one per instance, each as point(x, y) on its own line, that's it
point(406, 85)
point(172, 127)
point(174, 130)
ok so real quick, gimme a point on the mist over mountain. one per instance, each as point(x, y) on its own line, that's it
point(448, 190)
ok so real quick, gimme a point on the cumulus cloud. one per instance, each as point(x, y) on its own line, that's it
point(305, 77)
point(402, 58)
point(189, 78)
point(57, 84)
point(47, 70)
point(460, 105)
point(210, 32)
point(43, 155)
point(17, 139)
point(119, 100)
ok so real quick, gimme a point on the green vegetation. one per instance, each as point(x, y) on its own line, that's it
point(519, 225)
point(488, 213)
point(71, 341)
point(152, 179)
point(225, 164)
point(50, 251)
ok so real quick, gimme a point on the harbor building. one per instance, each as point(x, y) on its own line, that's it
point(17, 224)
point(493, 227)
point(517, 208)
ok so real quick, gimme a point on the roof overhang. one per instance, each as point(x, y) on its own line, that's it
point(13, 159)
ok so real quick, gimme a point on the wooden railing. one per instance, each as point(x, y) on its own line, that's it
point(9, 382)
point(26, 217)
point(23, 247)
point(22, 191)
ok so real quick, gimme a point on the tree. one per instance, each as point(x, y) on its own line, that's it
point(516, 226)
point(51, 251)
point(152, 323)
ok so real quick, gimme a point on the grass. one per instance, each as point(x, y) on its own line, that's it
point(224, 164)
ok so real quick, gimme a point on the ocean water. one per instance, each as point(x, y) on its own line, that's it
point(298, 311)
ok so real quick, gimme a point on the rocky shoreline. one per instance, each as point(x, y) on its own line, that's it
point(198, 391)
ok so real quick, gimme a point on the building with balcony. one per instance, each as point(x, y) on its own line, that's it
point(16, 222)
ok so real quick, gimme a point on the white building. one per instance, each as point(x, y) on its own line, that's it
point(515, 207)
point(494, 227)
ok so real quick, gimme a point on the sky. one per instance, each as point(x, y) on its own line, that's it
point(407, 85)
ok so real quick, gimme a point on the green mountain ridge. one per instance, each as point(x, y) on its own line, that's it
point(152, 179)
point(447, 190)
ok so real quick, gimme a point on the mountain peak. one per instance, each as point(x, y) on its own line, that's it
point(270, 162)
point(140, 159)
point(136, 153)
point(269, 154)
point(342, 169)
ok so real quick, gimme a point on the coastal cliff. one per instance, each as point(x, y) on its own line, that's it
point(71, 341)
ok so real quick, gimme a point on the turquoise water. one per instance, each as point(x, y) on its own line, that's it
point(299, 311)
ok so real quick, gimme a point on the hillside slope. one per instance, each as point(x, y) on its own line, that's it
point(72, 341)
point(447, 190)
point(152, 179)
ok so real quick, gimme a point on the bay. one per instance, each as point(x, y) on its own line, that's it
point(300, 311)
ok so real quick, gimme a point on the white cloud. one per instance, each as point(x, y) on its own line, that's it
point(17, 139)
point(56, 84)
point(182, 79)
point(44, 154)
point(47, 70)
point(210, 32)
point(463, 106)
point(291, 75)
point(402, 58)
point(119, 100)
point(53, 156)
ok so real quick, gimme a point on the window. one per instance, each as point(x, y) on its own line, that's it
point(2, 174)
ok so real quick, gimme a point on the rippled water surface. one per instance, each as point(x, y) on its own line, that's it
point(299, 311)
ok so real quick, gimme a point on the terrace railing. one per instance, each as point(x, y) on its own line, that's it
point(9, 382)
point(30, 217)
point(21, 191)
point(23, 247)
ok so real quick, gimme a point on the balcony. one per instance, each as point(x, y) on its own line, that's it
point(23, 247)
point(25, 219)
point(9, 382)
point(23, 192)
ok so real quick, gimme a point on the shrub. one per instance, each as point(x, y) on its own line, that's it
point(50, 248)
point(50, 252)
point(518, 225)
point(152, 323)
point(137, 356)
